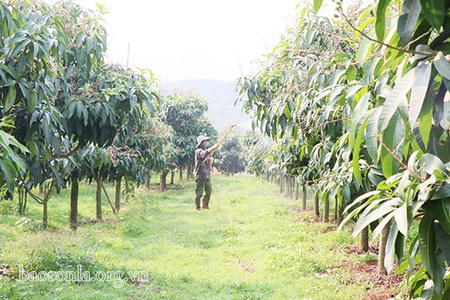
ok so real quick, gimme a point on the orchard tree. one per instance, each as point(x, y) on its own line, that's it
point(408, 127)
point(143, 145)
point(254, 147)
point(27, 82)
point(302, 97)
point(230, 161)
point(59, 93)
point(185, 113)
point(378, 123)
point(28, 85)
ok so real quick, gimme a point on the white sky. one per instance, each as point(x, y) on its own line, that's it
point(194, 39)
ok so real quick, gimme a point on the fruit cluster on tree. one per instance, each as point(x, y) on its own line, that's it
point(358, 106)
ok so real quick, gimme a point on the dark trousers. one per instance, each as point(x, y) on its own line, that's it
point(200, 186)
point(203, 185)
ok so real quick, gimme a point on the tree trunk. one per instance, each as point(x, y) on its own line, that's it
point(127, 189)
point(316, 205)
point(292, 184)
point(147, 180)
point(297, 189)
point(162, 181)
point(45, 214)
point(288, 187)
point(304, 194)
point(74, 201)
point(336, 205)
point(189, 171)
point(181, 174)
point(25, 202)
point(340, 212)
point(118, 190)
point(281, 183)
point(326, 208)
point(98, 200)
point(172, 177)
point(382, 249)
point(364, 239)
point(22, 193)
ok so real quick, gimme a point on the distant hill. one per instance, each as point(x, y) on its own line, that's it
point(221, 96)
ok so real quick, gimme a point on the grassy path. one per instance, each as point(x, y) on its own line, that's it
point(250, 245)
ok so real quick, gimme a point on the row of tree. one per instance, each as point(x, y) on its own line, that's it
point(67, 115)
point(358, 107)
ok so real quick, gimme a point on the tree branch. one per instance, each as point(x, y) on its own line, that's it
point(341, 12)
point(406, 167)
point(68, 154)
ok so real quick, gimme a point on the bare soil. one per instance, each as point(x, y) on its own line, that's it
point(379, 286)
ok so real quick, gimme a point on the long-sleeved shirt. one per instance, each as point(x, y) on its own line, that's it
point(202, 167)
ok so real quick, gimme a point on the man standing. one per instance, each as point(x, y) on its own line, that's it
point(203, 171)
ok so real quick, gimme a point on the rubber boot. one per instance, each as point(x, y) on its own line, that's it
point(206, 202)
point(197, 203)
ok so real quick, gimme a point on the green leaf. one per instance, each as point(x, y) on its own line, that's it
point(360, 199)
point(47, 131)
point(418, 137)
point(358, 113)
point(377, 213)
point(382, 223)
point(443, 192)
point(427, 242)
point(440, 210)
point(443, 240)
point(6, 174)
point(287, 109)
point(426, 121)
point(317, 4)
point(399, 246)
point(11, 98)
point(85, 116)
point(403, 218)
point(18, 48)
point(434, 12)
point(411, 256)
point(430, 163)
point(412, 160)
point(421, 48)
point(393, 142)
point(427, 247)
point(364, 49)
point(282, 121)
point(389, 258)
point(380, 22)
point(357, 149)
point(418, 92)
point(6, 140)
point(408, 19)
point(442, 65)
point(371, 134)
point(32, 101)
point(294, 132)
point(395, 96)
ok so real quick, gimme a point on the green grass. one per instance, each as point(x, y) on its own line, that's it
point(250, 245)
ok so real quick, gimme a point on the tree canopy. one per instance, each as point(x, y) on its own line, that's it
point(362, 98)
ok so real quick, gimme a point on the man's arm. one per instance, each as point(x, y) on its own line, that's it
point(213, 148)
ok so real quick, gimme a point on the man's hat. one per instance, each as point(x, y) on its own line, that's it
point(202, 138)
